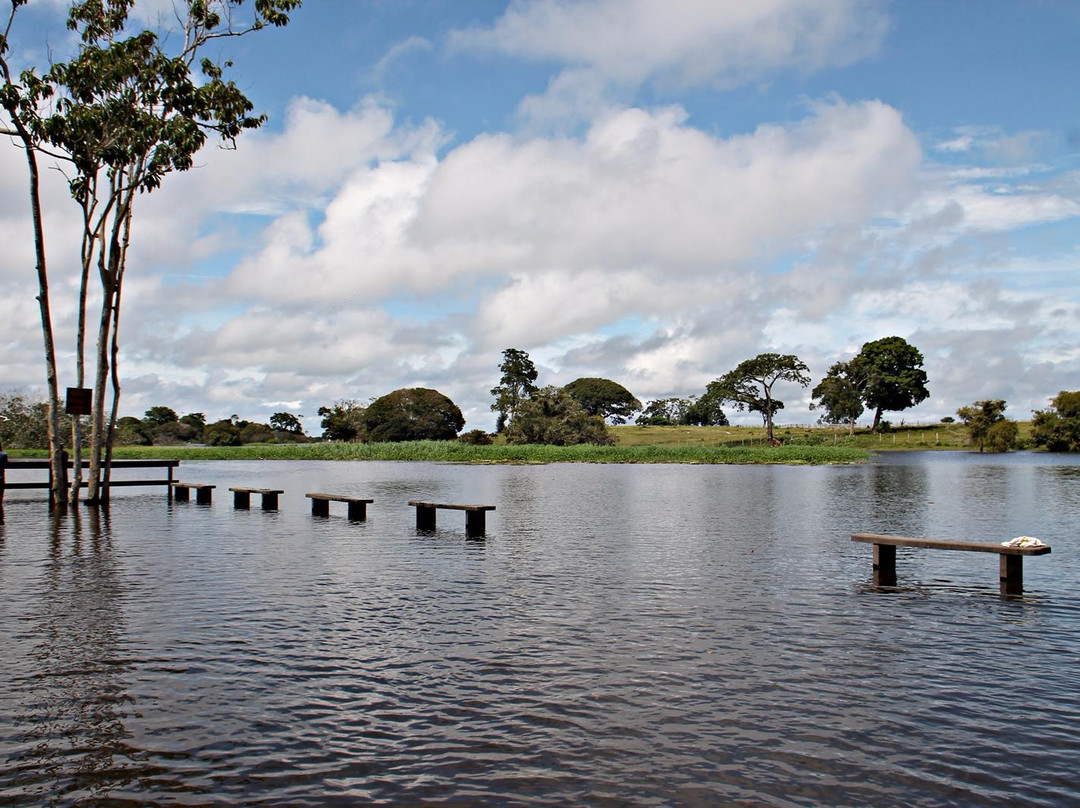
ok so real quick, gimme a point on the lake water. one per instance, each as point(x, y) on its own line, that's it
point(624, 635)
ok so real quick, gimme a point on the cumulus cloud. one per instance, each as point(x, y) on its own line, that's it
point(343, 254)
point(641, 192)
point(608, 46)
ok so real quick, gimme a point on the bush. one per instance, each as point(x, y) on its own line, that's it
point(24, 422)
point(980, 417)
point(553, 417)
point(414, 413)
point(173, 433)
point(132, 432)
point(344, 421)
point(251, 432)
point(222, 433)
point(1002, 436)
point(1058, 429)
point(476, 437)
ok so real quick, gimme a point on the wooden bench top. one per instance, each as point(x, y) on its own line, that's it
point(450, 506)
point(258, 490)
point(339, 498)
point(192, 485)
point(947, 544)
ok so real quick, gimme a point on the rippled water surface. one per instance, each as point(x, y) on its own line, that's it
point(625, 635)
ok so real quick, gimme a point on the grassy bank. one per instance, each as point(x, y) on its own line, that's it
point(635, 444)
point(454, 452)
point(950, 437)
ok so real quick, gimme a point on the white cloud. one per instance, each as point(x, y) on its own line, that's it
point(342, 254)
point(957, 144)
point(613, 45)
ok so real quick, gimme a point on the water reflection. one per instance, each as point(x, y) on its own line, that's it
point(75, 701)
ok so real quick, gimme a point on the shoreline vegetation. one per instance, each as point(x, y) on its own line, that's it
point(635, 444)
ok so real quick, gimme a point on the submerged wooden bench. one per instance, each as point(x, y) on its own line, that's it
point(242, 497)
point(320, 505)
point(475, 515)
point(1011, 563)
point(203, 492)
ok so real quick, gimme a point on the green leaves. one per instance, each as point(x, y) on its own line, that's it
point(749, 385)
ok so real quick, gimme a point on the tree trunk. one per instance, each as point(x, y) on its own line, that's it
point(768, 416)
point(97, 417)
point(57, 466)
point(120, 245)
point(877, 419)
point(89, 239)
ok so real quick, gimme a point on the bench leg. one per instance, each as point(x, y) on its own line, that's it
point(1012, 574)
point(425, 518)
point(269, 502)
point(884, 565)
point(241, 499)
point(358, 511)
point(204, 495)
point(320, 507)
point(181, 494)
point(475, 523)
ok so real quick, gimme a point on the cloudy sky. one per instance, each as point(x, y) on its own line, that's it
point(645, 190)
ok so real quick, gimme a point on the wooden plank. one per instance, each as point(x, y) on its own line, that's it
point(450, 506)
point(21, 464)
point(948, 544)
point(339, 498)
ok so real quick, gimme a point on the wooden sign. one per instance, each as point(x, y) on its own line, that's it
point(79, 401)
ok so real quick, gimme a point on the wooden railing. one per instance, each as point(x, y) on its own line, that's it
point(19, 466)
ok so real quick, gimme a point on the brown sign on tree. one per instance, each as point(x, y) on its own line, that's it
point(79, 401)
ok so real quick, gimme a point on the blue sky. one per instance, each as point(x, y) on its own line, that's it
point(641, 190)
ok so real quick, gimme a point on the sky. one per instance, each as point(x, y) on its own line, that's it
point(649, 191)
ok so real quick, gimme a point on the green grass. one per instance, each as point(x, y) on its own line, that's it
point(635, 444)
point(455, 452)
point(952, 437)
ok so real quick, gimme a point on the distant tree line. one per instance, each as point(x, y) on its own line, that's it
point(161, 426)
point(885, 376)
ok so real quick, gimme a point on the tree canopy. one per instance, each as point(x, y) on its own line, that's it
point(1058, 428)
point(552, 416)
point(691, 411)
point(604, 397)
point(980, 419)
point(889, 374)
point(749, 385)
point(286, 422)
point(127, 109)
point(343, 421)
point(412, 413)
point(518, 382)
point(840, 395)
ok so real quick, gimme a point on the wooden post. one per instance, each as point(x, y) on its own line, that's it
point(320, 507)
point(182, 494)
point(269, 501)
point(425, 518)
point(203, 494)
point(1012, 574)
point(884, 565)
point(241, 499)
point(357, 511)
point(475, 523)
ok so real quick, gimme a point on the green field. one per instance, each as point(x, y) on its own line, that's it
point(935, 436)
